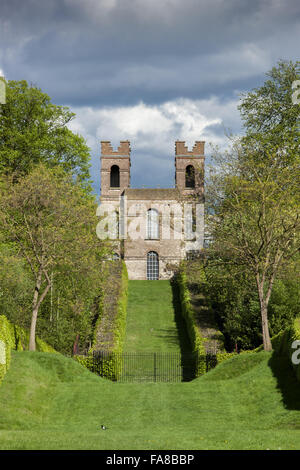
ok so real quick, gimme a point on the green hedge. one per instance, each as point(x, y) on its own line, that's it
point(86, 361)
point(7, 343)
point(14, 337)
point(223, 356)
point(282, 343)
point(120, 323)
point(111, 365)
point(197, 341)
point(294, 335)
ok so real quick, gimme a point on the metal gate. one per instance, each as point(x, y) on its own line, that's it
point(150, 367)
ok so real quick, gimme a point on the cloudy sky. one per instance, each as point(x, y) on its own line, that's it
point(150, 71)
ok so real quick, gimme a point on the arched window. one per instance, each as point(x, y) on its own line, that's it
point(152, 266)
point(190, 176)
point(115, 176)
point(152, 224)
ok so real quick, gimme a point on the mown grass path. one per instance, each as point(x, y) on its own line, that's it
point(48, 401)
point(154, 321)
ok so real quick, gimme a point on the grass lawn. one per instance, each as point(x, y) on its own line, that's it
point(154, 322)
point(48, 401)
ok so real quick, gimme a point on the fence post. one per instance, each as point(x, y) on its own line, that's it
point(155, 367)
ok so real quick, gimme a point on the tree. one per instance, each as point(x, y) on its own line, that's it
point(269, 109)
point(15, 284)
point(53, 221)
point(254, 191)
point(233, 296)
point(33, 130)
point(256, 219)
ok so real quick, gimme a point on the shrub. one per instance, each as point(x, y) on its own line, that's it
point(195, 337)
point(7, 342)
point(12, 337)
point(111, 365)
point(282, 343)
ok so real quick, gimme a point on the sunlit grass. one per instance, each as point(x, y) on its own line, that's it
point(51, 402)
point(153, 321)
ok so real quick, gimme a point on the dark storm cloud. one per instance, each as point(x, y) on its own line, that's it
point(104, 52)
point(104, 57)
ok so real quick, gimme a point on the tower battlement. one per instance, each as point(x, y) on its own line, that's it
point(139, 227)
point(182, 149)
point(123, 149)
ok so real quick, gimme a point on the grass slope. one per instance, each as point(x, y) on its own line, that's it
point(50, 402)
point(153, 319)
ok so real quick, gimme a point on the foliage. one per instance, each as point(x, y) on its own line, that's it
point(15, 285)
point(200, 293)
point(234, 299)
point(16, 338)
point(117, 322)
point(282, 343)
point(111, 365)
point(196, 339)
point(7, 339)
point(52, 220)
point(33, 130)
point(269, 109)
point(120, 323)
point(223, 356)
point(85, 361)
point(284, 304)
point(253, 195)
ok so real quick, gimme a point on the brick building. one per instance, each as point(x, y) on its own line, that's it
point(154, 229)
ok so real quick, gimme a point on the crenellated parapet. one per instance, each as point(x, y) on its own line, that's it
point(181, 149)
point(123, 149)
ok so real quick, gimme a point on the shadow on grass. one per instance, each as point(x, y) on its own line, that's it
point(286, 381)
point(188, 362)
point(170, 335)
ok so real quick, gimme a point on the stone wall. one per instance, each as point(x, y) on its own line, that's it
point(134, 249)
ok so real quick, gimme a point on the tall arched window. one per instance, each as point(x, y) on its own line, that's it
point(152, 224)
point(115, 176)
point(190, 176)
point(152, 266)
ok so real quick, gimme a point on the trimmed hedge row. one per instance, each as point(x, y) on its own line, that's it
point(197, 341)
point(283, 341)
point(223, 356)
point(120, 324)
point(7, 342)
point(109, 367)
point(12, 337)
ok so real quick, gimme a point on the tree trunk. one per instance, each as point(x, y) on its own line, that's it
point(32, 329)
point(35, 311)
point(265, 327)
point(36, 305)
point(264, 315)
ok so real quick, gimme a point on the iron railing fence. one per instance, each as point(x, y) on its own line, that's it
point(151, 366)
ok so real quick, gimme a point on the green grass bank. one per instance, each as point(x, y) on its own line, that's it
point(48, 401)
point(154, 321)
